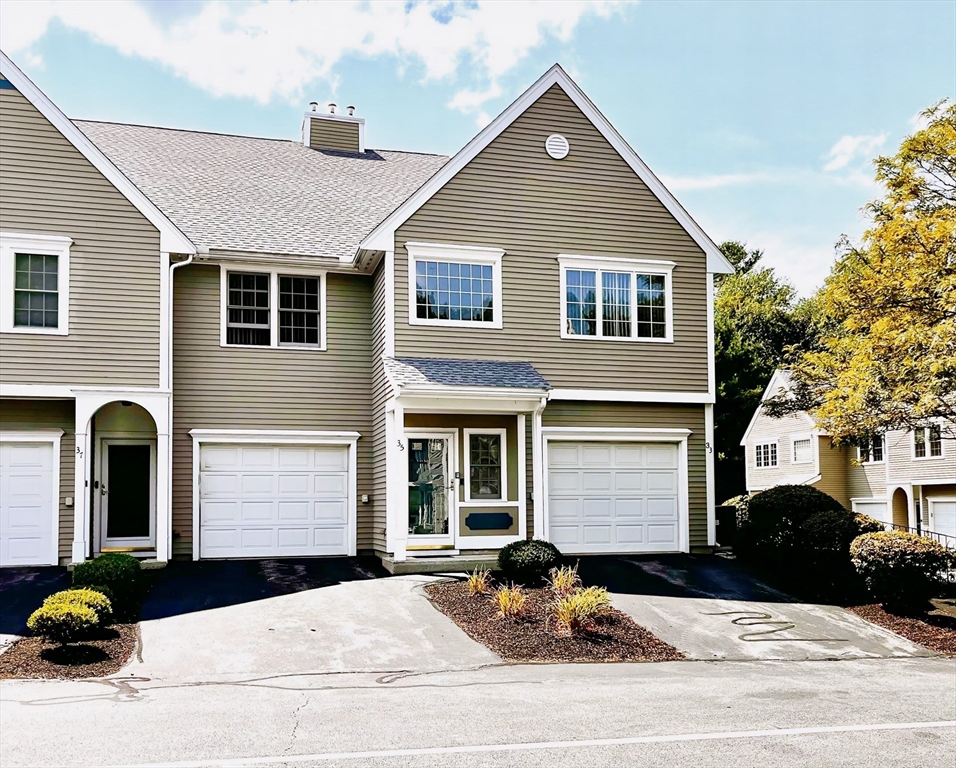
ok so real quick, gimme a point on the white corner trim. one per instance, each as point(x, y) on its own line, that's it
point(274, 273)
point(53, 437)
point(503, 441)
point(711, 340)
point(171, 237)
point(13, 243)
point(709, 475)
point(461, 254)
point(382, 237)
point(388, 327)
point(631, 396)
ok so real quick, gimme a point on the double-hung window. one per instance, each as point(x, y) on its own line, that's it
point(802, 450)
point(871, 452)
point(928, 442)
point(34, 283)
point(269, 308)
point(766, 455)
point(485, 465)
point(451, 285)
point(620, 299)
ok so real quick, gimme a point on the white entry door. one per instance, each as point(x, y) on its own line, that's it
point(27, 497)
point(614, 497)
point(274, 500)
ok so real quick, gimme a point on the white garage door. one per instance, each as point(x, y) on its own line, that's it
point(943, 514)
point(876, 508)
point(613, 497)
point(27, 530)
point(273, 500)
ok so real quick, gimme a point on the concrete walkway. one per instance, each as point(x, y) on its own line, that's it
point(711, 609)
point(285, 618)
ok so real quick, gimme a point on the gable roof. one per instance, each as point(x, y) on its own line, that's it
point(781, 380)
point(266, 196)
point(382, 238)
point(412, 371)
point(171, 238)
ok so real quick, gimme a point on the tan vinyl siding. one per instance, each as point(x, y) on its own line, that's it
point(512, 195)
point(222, 388)
point(904, 468)
point(48, 187)
point(341, 135)
point(865, 481)
point(569, 413)
point(834, 466)
point(381, 391)
point(781, 432)
point(50, 414)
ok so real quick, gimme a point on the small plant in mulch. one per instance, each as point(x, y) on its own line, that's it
point(479, 582)
point(577, 611)
point(510, 601)
point(564, 580)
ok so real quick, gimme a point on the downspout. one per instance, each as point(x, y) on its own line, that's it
point(169, 416)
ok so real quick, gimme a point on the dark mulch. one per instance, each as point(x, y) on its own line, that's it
point(100, 655)
point(935, 629)
point(615, 636)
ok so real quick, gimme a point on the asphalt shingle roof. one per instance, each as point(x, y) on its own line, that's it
point(468, 373)
point(263, 195)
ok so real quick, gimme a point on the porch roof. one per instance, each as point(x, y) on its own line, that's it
point(411, 371)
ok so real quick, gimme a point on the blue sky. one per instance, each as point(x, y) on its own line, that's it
point(762, 117)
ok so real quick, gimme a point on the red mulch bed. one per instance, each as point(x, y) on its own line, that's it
point(102, 654)
point(532, 638)
point(935, 629)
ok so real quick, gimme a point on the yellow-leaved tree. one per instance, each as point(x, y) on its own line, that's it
point(885, 357)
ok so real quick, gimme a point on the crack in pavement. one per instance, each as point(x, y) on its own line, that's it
point(295, 722)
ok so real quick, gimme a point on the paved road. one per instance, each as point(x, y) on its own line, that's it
point(674, 714)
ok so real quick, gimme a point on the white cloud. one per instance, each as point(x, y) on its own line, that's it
point(850, 148)
point(272, 50)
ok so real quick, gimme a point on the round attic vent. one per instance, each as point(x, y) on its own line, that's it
point(557, 146)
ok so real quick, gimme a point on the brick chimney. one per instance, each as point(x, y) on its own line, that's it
point(332, 129)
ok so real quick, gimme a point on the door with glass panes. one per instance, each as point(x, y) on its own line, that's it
point(432, 489)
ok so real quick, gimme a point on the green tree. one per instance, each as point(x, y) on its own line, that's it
point(886, 354)
point(756, 318)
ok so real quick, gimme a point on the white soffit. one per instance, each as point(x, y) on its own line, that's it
point(382, 238)
point(172, 240)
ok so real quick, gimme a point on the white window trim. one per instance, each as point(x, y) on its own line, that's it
point(612, 264)
point(503, 435)
point(928, 456)
point(274, 272)
point(51, 437)
point(866, 460)
point(12, 243)
point(776, 445)
point(794, 439)
point(458, 254)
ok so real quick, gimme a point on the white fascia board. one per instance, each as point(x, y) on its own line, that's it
point(259, 436)
point(382, 237)
point(631, 396)
point(479, 393)
point(171, 238)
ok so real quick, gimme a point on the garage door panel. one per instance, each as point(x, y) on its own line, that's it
point(28, 456)
point(274, 500)
point(27, 498)
point(613, 497)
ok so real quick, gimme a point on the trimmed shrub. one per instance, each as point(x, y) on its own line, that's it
point(63, 622)
point(867, 524)
point(105, 591)
point(900, 569)
point(773, 532)
point(742, 505)
point(528, 561)
point(116, 571)
point(91, 598)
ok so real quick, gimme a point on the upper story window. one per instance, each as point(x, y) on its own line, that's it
point(34, 283)
point(928, 442)
point(803, 450)
point(452, 285)
point(620, 299)
point(766, 454)
point(871, 452)
point(485, 465)
point(269, 308)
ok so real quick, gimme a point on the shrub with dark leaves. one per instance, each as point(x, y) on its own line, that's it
point(901, 570)
point(528, 561)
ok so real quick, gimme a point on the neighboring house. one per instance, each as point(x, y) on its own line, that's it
point(907, 478)
point(219, 346)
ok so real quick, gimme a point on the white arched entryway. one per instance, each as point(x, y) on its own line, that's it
point(124, 434)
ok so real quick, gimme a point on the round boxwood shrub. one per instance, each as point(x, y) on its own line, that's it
point(742, 505)
point(63, 622)
point(528, 561)
point(775, 516)
point(116, 571)
point(867, 524)
point(825, 537)
point(900, 569)
point(91, 598)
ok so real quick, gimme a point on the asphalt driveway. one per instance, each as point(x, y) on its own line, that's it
point(710, 608)
point(221, 619)
point(22, 590)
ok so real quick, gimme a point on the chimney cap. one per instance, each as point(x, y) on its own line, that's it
point(332, 106)
point(313, 106)
point(350, 109)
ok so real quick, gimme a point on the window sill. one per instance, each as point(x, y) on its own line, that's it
point(929, 458)
point(289, 347)
point(636, 340)
point(36, 331)
point(474, 325)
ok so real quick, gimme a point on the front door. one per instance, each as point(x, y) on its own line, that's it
point(127, 495)
point(431, 490)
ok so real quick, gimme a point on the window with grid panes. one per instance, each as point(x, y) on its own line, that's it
point(299, 310)
point(454, 291)
point(485, 464)
point(248, 309)
point(36, 291)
